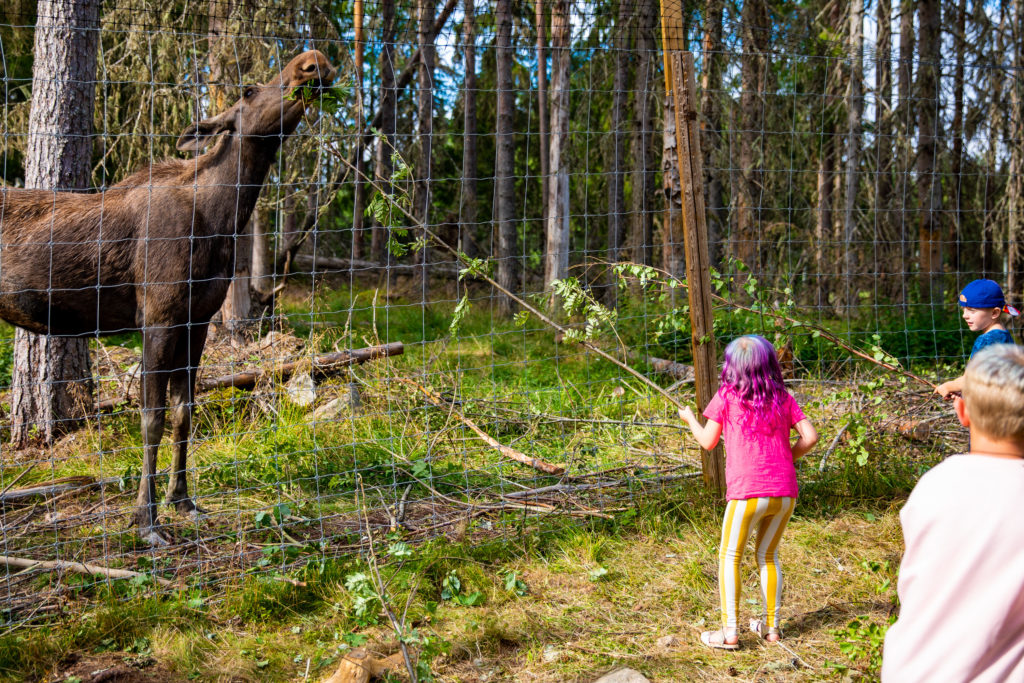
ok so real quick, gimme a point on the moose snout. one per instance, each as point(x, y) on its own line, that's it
point(314, 69)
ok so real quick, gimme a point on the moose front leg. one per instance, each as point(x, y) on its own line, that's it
point(183, 384)
point(157, 350)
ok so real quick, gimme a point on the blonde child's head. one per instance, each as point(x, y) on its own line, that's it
point(994, 392)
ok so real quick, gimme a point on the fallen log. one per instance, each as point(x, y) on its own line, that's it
point(322, 365)
point(77, 567)
point(507, 451)
point(679, 371)
point(331, 263)
point(48, 489)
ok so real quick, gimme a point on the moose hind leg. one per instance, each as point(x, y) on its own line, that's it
point(182, 384)
point(156, 352)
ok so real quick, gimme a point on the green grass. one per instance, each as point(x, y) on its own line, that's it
point(564, 593)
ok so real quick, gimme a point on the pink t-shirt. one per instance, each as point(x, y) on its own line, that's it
point(758, 453)
point(961, 583)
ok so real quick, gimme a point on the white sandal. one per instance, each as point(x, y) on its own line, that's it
point(758, 627)
point(716, 639)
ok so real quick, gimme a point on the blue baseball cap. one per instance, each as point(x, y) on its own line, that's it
point(985, 294)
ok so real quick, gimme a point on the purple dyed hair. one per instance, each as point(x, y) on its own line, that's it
point(751, 369)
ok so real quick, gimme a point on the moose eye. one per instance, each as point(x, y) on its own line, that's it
point(249, 92)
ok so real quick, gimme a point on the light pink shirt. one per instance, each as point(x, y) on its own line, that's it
point(961, 582)
point(758, 454)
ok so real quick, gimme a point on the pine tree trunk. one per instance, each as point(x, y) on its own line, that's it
point(556, 258)
point(960, 47)
point(753, 68)
point(52, 379)
point(1015, 189)
point(383, 167)
point(425, 132)
point(359, 187)
point(504, 158)
point(262, 277)
point(823, 225)
point(711, 126)
point(990, 266)
point(885, 256)
point(905, 115)
point(468, 208)
point(228, 65)
point(641, 230)
point(929, 179)
point(855, 112)
point(543, 126)
point(617, 165)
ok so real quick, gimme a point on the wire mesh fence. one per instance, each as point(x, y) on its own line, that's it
point(365, 232)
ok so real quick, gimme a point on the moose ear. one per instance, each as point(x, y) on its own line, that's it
point(199, 135)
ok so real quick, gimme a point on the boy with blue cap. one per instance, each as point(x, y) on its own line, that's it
point(984, 307)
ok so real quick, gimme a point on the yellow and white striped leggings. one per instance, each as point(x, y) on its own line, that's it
point(769, 516)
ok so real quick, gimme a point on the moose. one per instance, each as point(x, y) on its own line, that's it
point(153, 253)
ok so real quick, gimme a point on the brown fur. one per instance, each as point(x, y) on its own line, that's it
point(152, 253)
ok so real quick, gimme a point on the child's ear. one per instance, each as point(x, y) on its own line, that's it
point(960, 408)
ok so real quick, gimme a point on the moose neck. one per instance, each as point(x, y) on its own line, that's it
point(230, 177)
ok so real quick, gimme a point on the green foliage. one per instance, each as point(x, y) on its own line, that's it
point(366, 602)
point(578, 303)
point(451, 590)
point(861, 641)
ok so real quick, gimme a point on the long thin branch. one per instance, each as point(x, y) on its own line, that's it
point(507, 451)
point(78, 567)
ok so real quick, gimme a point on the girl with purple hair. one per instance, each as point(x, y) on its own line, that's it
point(755, 414)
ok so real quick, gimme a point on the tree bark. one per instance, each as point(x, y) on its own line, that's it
point(383, 167)
point(504, 158)
point(823, 264)
point(905, 114)
point(990, 266)
point(543, 126)
point(468, 207)
point(641, 242)
point(886, 248)
point(52, 379)
point(617, 165)
point(854, 114)
point(959, 48)
point(753, 73)
point(711, 126)
point(262, 278)
point(358, 186)
point(672, 237)
point(425, 132)
point(556, 258)
point(228, 66)
point(929, 180)
point(1015, 189)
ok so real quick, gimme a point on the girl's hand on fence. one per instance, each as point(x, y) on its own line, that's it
point(687, 414)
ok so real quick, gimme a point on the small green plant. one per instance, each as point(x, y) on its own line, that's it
point(451, 590)
point(366, 602)
point(861, 641)
point(513, 584)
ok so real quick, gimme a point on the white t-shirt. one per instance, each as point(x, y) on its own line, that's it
point(961, 583)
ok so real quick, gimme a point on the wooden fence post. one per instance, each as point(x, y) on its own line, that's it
point(681, 85)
